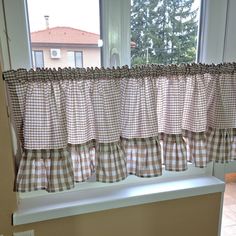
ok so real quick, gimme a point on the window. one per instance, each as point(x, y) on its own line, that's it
point(75, 59)
point(164, 32)
point(115, 17)
point(38, 61)
point(78, 59)
point(132, 26)
point(67, 27)
point(116, 33)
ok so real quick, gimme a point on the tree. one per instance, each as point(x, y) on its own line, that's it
point(164, 31)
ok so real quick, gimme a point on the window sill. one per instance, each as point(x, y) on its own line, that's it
point(72, 203)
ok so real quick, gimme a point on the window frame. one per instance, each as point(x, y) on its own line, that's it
point(34, 58)
point(206, 53)
point(82, 60)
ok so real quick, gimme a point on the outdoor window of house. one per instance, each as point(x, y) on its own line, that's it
point(164, 31)
point(75, 59)
point(66, 33)
point(38, 61)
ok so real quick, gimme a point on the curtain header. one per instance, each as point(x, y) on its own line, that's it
point(150, 70)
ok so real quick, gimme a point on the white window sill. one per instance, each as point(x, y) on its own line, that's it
point(70, 203)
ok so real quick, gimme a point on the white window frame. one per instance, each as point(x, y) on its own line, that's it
point(15, 35)
point(115, 20)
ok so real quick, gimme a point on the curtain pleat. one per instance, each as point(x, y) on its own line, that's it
point(138, 109)
point(45, 169)
point(83, 159)
point(106, 100)
point(174, 152)
point(170, 104)
point(110, 162)
point(234, 145)
point(143, 156)
point(221, 101)
point(195, 104)
point(76, 123)
point(45, 114)
point(197, 148)
point(17, 92)
point(220, 145)
point(79, 111)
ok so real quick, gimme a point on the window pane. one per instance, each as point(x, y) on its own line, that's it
point(164, 31)
point(38, 59)
point(70, 59)
point(78, 59)
point(60, 28)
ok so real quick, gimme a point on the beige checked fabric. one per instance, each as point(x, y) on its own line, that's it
point(16, 85)
point(79, 111)
point(143, 156)
point(110, 162)
point(220, 145)
point(83, 159)
point(138, 109)
point(170, 104)
point(196, 143)
point(110, 121)
point(45, 169)
point(106, 99)
point(195, 104)
point(234, 146)
point(221, 101)
point(45, 115)
point(174, 152)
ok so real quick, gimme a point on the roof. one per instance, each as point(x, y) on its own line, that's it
point(64, 35)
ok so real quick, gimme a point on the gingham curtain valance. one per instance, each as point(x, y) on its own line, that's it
point(73, 123)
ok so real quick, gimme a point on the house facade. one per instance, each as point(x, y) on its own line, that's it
point(65, 47)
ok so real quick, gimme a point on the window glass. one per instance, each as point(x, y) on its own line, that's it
point(78, 59)
point(74, 59)
point(70, 59)
point(164, 31)
point(38, 61)
point(65, 32)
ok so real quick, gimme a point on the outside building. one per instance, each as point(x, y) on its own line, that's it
point(65, 47)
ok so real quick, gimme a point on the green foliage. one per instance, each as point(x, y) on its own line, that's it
point(167, 29)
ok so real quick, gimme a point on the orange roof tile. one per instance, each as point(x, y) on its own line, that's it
point(64, 35)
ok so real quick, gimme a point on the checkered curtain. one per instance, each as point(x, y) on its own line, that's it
point(76, 123)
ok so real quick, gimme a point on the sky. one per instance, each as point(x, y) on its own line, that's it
point(80, 14)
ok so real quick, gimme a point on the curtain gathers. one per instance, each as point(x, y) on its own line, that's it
point(74, 123)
